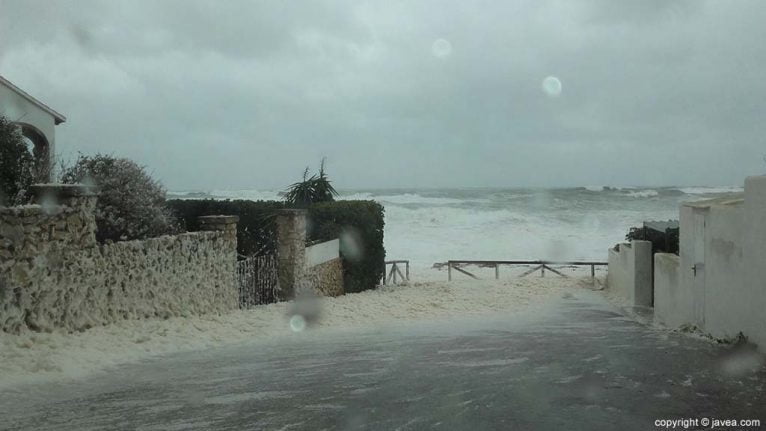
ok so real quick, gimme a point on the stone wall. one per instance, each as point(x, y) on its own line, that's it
point(630, 272)
point(326, 279)
point(54, 275)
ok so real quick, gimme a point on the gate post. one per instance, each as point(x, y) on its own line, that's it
point(291, 250)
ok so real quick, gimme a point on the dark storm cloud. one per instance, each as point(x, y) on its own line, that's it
point(244, 94)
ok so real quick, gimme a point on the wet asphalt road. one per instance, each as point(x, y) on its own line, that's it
point(575, 363)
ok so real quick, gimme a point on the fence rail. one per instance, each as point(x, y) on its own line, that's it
point(540, 265)
point(258, 280)
point(396, 271)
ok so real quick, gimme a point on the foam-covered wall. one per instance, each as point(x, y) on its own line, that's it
point(54, 275)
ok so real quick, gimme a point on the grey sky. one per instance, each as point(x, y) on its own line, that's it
point(230, 94)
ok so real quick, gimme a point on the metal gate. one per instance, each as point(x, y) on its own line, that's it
point(258, 280)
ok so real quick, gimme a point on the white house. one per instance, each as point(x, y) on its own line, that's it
point(36, 119)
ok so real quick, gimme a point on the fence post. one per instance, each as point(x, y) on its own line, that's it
point(291, 250)
point(393, 271)
point(449, 271)
point(497, 271)
point(385, 273)
point(407, 270)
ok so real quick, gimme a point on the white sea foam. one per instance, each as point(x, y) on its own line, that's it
point(710, 190)
point(643, 193)
point(40, 357)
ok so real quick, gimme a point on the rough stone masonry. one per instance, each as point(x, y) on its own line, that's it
point(54, 275)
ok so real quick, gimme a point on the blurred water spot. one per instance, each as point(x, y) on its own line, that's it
point(558, 250)
point(194, 398)
point(88, 181)
point(541, 200)
point(552, 86)
point(297, 323)
point(351, 245)
point(591, 222)
point(441, 48)
point(592, 388)
point(49, 202)
point(740, 361)
point(306, 308)
point(81, 35)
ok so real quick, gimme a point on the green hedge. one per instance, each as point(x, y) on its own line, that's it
point(358, 224)
point(256, 230)
point(662, 242)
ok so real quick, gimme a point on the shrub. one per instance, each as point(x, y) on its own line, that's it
point(359, 225)
point(131, 205)
point(256, 230)
point(662, 242)
point(317, 188)
point(16, 165)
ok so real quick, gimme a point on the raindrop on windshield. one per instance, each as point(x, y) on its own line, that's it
point(441, 48)
point(552, 86)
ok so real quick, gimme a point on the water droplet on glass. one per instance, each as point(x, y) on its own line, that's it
point(48, 202)
point(297, 323)
point(552, 86)
point(741, 361)
point(441, 48)
point(88, 181)
point(351, 245)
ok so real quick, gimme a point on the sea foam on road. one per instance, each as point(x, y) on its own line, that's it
point(41, 357)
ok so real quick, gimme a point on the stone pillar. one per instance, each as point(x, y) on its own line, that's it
point(291, 250)
point(223, 223)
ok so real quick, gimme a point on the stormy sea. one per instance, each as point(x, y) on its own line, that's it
point(428, 226)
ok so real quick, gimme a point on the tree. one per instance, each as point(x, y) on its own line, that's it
point(313, 189)
point(131, 204)
point(16, 165)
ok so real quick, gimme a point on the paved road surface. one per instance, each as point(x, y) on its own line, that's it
point(576, 363)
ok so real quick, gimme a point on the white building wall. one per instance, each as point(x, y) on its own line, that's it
point(724, 294)
point(630, 272)
point(672, 299)
point(719, 284)
point(318, 254)
point(689, 246)
point(755, 259)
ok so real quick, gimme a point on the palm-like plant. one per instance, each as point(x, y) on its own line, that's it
point(316, 188)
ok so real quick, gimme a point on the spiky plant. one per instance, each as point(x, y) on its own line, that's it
point(314, 188)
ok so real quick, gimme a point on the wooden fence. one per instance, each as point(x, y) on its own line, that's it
point(540, 265)
point(391, 277)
